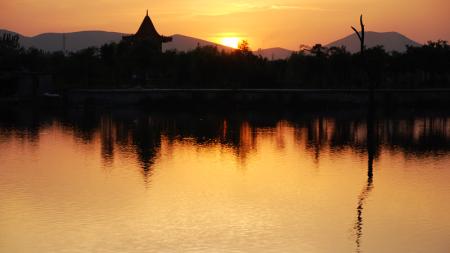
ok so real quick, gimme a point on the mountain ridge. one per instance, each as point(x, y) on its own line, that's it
point(74, 41)
point(391, 41)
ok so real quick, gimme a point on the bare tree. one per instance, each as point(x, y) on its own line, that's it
point(360, 34)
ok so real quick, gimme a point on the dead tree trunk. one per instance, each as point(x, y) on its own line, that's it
point(361, 34)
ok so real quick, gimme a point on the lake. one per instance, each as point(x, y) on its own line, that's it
point(126, 180)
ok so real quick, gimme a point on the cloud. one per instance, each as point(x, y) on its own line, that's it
point(298, 7)
point(237, 8)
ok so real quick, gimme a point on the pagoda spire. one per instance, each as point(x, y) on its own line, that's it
point(148, 33)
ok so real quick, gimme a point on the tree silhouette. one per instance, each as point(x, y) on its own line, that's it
point(244, 46)
point(127, 65)
point(361, 36)
point(9, 41)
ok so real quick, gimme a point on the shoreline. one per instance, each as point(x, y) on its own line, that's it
point(255, 97)
point(251, 98)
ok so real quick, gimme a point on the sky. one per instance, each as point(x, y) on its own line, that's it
point(264, 23)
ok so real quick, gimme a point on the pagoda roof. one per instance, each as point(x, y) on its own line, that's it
point(147, 29)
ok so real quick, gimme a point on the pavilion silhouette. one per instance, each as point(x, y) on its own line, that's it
point(147, 33)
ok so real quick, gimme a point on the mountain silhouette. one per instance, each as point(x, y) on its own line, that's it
point(391, 41)
point(75, 41)
point(275, 53)
point(186, 43)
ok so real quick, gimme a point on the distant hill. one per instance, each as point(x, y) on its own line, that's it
point(275, 53)
point(79, 40)
point(75, 41)
point(391, 41)
point(186, 43)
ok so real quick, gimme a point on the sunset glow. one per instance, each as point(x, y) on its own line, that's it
point(269, 23)
point(224, 126)
point(232, 42)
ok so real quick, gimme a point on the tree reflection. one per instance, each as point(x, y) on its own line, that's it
point(140, 133)
point(371, 148)
point(107, 140)
point(146, 138)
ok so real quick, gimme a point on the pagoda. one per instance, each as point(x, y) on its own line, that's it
point(148, 34)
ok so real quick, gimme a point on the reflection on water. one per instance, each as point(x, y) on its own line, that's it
point(370, 140)
point(142, 133)
point(247, 182)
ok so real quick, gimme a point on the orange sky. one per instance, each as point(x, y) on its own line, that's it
point(264, 23)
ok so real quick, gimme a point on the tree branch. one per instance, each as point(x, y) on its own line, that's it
point(357, 33)
point(361, 21)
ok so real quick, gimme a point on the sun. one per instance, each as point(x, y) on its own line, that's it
point(232, 42)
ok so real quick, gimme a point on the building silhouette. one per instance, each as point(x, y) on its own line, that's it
point(148, 34)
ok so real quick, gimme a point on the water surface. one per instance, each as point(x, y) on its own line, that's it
point(131, 181)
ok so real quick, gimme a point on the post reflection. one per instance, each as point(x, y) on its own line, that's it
point(371, 152)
